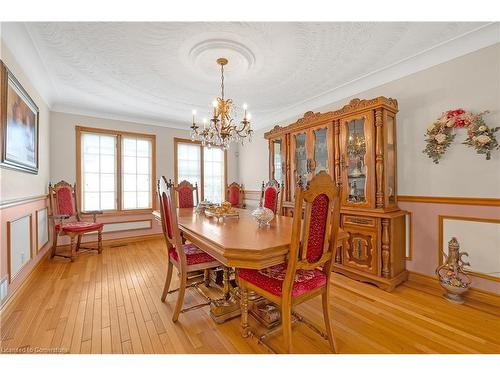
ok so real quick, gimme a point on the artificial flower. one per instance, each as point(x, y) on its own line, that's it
point(483, 139)
point(440, 138)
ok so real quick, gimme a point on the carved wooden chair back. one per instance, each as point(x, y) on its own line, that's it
point(185, 194)
point(314, 238)
point(62, 200)
point(169, 223)
point(235, 194)
point(270, 196)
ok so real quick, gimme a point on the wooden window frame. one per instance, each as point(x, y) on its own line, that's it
point(201, 188)
point(118, 134)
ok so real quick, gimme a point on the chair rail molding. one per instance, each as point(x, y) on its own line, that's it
point(471, 201)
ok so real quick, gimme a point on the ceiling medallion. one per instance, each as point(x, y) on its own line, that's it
point(221, 130)
point(200, 54)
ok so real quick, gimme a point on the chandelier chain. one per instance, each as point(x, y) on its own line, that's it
point(222, 81)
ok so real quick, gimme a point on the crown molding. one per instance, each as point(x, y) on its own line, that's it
point(57, 108)
point(464, 44)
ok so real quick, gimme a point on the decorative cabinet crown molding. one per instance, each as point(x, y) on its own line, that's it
point(310, 118)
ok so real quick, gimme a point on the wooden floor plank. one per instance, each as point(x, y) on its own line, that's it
point(110, 303)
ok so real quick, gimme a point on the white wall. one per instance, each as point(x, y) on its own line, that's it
point(471, 82)
point(15, 184)
point(63, 144)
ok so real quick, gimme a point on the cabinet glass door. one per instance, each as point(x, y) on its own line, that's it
point(277, 160)
point(390, 169)
point(356, 166)
point(320, 151)
point(300, 157)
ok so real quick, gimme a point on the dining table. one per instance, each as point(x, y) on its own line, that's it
point(237, 242)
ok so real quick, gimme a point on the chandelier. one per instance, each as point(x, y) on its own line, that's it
point(221, 130)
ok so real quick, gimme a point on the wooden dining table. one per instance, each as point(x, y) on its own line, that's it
point(237, 242)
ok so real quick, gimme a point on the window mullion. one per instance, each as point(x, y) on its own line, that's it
point(202, 172)
point(119, 176)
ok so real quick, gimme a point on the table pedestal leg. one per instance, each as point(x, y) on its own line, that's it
point(227, 307)
point(244, 312)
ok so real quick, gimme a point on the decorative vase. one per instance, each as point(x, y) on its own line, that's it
point(451, 274)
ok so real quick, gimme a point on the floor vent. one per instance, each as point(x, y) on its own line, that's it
point(119, 244)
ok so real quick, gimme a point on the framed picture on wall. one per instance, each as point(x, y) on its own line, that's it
point(18, 125)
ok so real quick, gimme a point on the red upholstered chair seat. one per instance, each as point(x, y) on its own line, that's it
point(194, 255)
point(79, 226)
point(271, 279)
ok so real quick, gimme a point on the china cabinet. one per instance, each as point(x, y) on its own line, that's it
point(357, 146)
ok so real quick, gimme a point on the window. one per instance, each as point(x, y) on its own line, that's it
point(189, 163)
point(213, 184)
point(98, 171)
point(115, 169)
point(136, 166)
point(205, 166)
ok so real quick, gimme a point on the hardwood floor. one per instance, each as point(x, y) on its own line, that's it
point(110, 303)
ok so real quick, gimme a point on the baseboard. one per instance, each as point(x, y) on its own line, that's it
point(479, 295)
point(117, 241)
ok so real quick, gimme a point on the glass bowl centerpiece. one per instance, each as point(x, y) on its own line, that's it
point(263, 215)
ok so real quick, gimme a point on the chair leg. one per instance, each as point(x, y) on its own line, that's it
point(328, 322)
point(167, 281)
point(206, 277)
point(78, 242)
point(54, 245)
point(180, 297)
point(99, 241)
point(286, 324)
point(72, 248)
point(244, 312)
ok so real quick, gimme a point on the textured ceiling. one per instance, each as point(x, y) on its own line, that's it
point(159, 72)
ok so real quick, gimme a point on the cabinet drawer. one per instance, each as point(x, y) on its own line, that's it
point(359, 220)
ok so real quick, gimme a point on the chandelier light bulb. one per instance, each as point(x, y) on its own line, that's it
point(214, 103)
point(245, 106)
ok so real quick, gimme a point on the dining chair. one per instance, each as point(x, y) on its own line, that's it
point(185, 194)
point(234, 193)
point(185, 257)
point(272, 196)
point(67, 220)
point(307, 271)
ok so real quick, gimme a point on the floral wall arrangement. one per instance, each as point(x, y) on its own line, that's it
point(441, 133)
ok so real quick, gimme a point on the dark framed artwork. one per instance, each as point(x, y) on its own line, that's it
point(18, 125)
